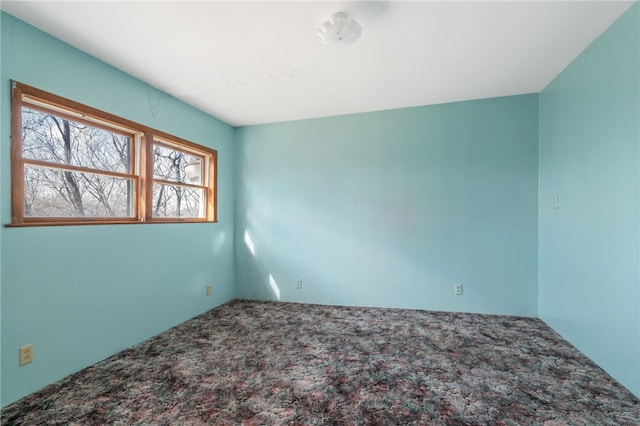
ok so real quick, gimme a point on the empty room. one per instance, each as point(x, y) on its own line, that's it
point(310, 212)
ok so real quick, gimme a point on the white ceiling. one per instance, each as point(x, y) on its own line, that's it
point(260, 62)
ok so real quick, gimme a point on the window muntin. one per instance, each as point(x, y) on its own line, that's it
point(72, 164)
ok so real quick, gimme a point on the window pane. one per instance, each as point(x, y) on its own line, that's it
point(177, 201)
point(176, 166)
point(48, 137)
point(59, 193)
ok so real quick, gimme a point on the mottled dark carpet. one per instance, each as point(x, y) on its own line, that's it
point(267, 363)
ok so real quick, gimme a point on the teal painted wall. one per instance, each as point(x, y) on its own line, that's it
point(589, 253)
point(393, 208)
point(80, 294)
point(3, 122)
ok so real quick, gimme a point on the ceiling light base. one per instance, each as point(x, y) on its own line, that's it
point(340, 30)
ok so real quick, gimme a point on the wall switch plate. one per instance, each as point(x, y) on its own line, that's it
point(458, 289)
point(299, 284)
point(25, 355)
point(208, 290)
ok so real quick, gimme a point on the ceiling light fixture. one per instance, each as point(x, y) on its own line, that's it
point(340, 30)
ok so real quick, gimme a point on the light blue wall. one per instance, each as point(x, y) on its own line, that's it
point(392, 208)
point(80, 294)
point(2, 124)
point(589, 253)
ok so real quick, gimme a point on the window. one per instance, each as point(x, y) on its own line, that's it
point(73, 164)
point(178, 190)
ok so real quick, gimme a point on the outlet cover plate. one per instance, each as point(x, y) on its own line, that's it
point(458, 289)
point(25, 355)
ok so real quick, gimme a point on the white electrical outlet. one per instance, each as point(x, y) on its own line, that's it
point(458, 289)
point(25, 355)
point(299, 284)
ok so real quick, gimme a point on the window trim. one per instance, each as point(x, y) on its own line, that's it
point(143, 140)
